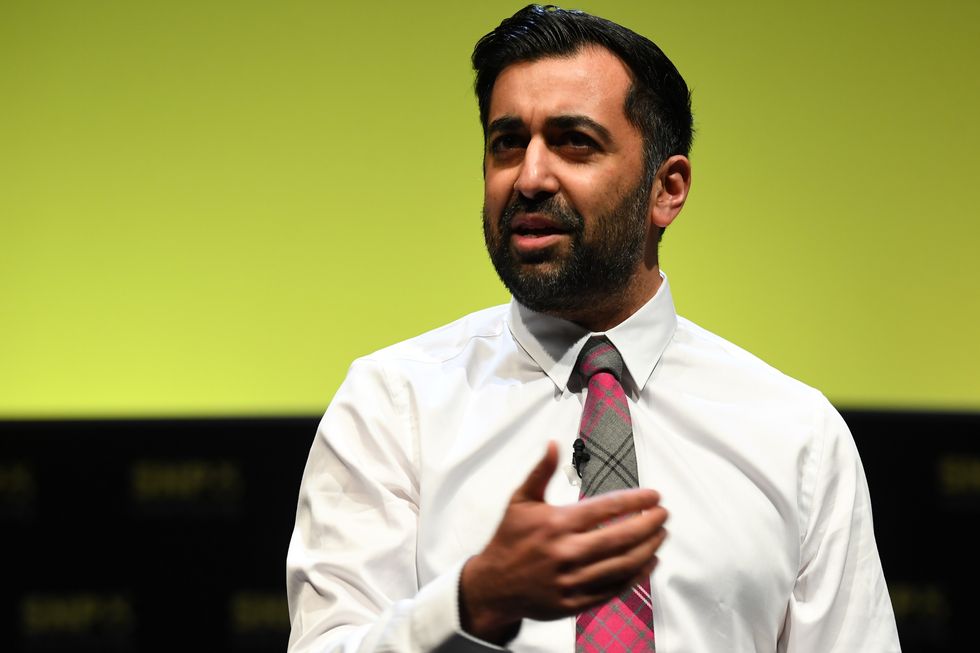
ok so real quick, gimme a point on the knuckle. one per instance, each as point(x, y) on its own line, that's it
point(603, 505)
point(618, 502)
point(618, 539)
point(566, 583)
point(633, 563)
point(557, 522)
point(565, 552)
point(575, 603)
point(654, 521)
point(568, 604)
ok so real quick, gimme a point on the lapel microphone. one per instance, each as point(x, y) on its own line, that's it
point(579, 455)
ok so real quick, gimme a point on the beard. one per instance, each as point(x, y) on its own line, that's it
point(592, 272)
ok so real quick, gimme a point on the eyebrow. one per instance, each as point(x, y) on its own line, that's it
point(576, 122)
point(505, 124)
point(513, 123)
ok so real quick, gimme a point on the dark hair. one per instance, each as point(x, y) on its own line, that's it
point(658, 102)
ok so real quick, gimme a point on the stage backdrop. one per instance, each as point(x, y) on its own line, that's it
point(212, 207)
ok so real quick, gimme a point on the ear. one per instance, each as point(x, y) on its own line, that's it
point(670, 189)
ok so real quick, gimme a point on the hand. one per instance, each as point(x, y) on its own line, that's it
point(546, 562)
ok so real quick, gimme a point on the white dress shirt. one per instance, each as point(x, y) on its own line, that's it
point(770, 544)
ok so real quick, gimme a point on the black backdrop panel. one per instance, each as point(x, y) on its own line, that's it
point(924, 475)
point(162, 535)
point(148, 535)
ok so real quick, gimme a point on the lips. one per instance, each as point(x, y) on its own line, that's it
point(533, 236)
point(535, 226)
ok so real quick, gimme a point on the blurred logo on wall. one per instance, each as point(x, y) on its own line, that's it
point(923, 612)
point(74, 621)
point(18, 490)
point(258, 620)
point(959, 482)
point(193, 488)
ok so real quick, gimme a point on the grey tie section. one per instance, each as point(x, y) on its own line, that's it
point(609, 442)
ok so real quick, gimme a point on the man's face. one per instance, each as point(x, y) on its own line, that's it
point(566, 198)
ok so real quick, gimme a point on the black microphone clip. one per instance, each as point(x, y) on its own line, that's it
point(579, 455)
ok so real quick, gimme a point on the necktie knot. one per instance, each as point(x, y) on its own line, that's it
point(599, 355)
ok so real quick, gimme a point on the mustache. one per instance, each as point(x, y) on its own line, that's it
point(551, 206)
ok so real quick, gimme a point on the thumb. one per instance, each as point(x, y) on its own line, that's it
point(532, 489)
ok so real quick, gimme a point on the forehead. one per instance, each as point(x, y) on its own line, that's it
point(592, 82)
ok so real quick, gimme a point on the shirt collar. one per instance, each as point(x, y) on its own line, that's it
point(554, 343)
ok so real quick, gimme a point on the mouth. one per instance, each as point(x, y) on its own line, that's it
point(531, 235)
point(535, 226)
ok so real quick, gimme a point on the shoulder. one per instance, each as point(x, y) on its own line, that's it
point(724, 371)
point(789, 427)
point(440, 367)
point(383, 380)
point(445, 343)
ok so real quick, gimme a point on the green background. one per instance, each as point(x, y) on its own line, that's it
point(212, 207)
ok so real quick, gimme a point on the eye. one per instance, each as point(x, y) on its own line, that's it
point(507, 143)
point(577, 141)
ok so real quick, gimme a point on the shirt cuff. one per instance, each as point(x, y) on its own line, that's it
point(437, 626)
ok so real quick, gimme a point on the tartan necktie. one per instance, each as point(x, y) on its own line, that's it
point(608, 462)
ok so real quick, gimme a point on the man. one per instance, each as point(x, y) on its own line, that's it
point(428, 519)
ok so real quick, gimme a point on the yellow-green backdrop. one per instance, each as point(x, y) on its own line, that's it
point(212, 207)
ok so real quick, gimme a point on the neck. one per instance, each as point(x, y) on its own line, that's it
point(613, 310)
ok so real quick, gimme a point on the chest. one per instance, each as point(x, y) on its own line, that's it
point(728, 480)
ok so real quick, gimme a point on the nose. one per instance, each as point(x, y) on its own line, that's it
point(537, 175)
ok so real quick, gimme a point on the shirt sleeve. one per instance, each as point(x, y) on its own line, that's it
point(351, 574)
point(840, 602)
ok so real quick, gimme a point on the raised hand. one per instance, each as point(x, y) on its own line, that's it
point(546, 562)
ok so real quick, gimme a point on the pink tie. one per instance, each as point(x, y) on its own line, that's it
point(624, 623)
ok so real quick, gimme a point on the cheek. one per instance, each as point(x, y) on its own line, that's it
point(597, 194)
point(584, 195)
point(496, 194)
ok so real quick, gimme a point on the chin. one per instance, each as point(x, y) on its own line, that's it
point(542, 258)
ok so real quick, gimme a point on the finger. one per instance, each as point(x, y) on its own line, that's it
point(614, 539)
point(601, 593)
point(594, 511)
point(617, 571)
point(533, 487)
point(578, 602)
